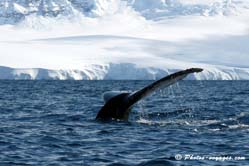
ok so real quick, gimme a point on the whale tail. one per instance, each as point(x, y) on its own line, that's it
point(118, 105)
point(164, 82)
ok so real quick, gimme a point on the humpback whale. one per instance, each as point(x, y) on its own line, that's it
point(118, 105)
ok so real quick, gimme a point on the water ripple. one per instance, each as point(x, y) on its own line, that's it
point(52, 123)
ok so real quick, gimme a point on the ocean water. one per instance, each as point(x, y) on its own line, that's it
point(191, 123)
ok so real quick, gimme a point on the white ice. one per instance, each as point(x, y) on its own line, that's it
point(125, 44)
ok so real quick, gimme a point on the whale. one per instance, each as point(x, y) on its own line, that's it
point(118, 105)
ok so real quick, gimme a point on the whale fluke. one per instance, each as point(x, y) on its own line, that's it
point(118, 105)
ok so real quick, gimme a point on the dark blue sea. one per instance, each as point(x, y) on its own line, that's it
point(52, 123)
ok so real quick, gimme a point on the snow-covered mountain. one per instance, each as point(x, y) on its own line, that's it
point(123, 39)
point(13, 11)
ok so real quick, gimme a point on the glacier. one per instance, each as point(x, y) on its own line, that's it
point(124, 71)
point(123, 39)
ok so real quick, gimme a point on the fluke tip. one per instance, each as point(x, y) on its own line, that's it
point(195, 70)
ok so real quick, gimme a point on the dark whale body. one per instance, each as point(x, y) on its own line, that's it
point(118, 107)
